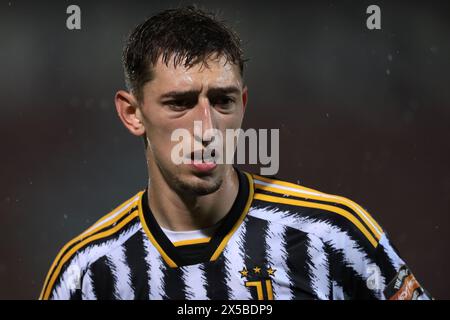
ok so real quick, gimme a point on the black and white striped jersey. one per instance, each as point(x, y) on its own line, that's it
point(279, 241)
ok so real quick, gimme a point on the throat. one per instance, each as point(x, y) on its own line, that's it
point(179, 212)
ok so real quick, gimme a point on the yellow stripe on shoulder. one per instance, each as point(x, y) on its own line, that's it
point(283, 187)
point(330, 208)
point(104, 222)
point(83, 243)
point(133, 201)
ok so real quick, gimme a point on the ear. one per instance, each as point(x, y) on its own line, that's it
point(129, 112)
point(244, 97)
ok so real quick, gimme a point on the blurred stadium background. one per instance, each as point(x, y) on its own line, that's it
point(364, 114)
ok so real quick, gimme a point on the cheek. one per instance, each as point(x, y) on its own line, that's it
point(232, 121)
point(160, 136)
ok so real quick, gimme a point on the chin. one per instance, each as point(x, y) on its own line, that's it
point(199, 185)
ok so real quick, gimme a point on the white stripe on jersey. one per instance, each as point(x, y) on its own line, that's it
point(234, 262)
point(277, 258)
point(195, 281)
point(318, 263)
point(87, 292)
point(338, 292)
point(155, 271)
point(121, 274)
point(354, 257)
point(83, 259)
point(396, 261)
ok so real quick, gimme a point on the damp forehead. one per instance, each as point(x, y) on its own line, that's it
point(218, 72)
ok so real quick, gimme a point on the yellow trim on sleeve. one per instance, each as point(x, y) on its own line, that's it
point(120, 207)
point(371, 223)
point(87, 234)
point(97, 236)
point(334, 209)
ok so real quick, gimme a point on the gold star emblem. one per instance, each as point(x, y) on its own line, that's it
point(271, 271)
point(244, 272)
point(257, 269)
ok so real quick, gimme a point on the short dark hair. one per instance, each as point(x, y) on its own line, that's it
point(187, 34)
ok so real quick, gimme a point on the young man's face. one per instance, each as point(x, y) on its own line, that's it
point(174, 99)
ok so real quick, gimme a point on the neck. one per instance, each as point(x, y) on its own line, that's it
point(176, 211)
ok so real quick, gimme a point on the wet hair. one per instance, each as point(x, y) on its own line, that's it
point(187, 35)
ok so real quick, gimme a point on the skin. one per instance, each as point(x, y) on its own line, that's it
point(181, 197)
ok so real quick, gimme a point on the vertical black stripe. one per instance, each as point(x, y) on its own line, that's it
point(135, 258)
point(298, 264)
point(173, 284)
point(103, 279)
point(383, 261)
point(320, 215)
point(388, 270)
point(75, 294)
point(255, 249)
point(216, 287)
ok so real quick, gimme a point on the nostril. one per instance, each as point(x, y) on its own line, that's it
point(208, 141)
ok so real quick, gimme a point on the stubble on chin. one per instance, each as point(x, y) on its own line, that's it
point(190, 184)
point(197, 186)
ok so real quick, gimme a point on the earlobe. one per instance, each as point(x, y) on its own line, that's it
point(129, 112)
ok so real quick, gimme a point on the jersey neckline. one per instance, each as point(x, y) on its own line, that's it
point(199, 250)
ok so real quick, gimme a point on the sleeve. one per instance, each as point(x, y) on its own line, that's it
point(393, 278)
point(374, 273)
point(64, 279)
point(363, 264)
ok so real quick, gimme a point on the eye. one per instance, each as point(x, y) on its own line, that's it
point(180, 104)
point(222, 101)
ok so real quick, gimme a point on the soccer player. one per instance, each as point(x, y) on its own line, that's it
point(208, 230)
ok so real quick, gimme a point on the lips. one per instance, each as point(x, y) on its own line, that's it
point(204, 166)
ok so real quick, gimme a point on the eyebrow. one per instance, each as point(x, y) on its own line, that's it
point(191, 93)
point(223, 90)
point(180, 94)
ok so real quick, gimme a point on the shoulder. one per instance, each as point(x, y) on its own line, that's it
point(332, 218)
point(108, 232)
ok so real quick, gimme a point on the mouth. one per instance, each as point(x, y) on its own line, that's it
point(202, 161)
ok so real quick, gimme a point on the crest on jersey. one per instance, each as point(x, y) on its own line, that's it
point(259, 279)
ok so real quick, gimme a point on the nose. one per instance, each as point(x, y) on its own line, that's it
point(206, 116)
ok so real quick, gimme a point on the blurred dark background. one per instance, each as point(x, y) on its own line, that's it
point(364, 114)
